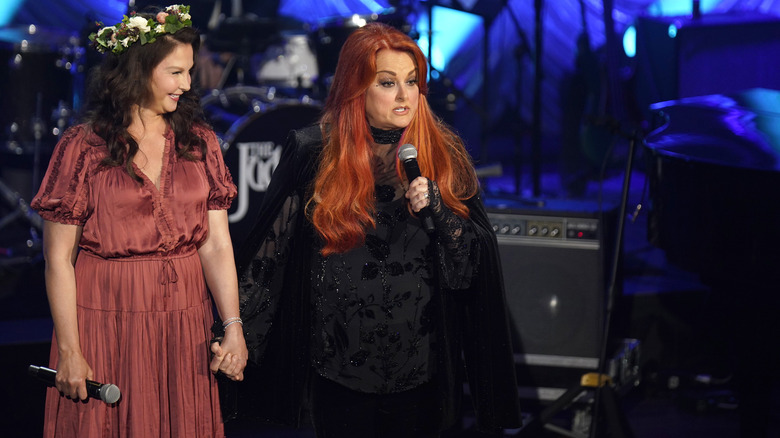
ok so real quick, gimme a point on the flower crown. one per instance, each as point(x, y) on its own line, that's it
point(119, 37)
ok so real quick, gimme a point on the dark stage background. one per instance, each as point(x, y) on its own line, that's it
point(572, 110)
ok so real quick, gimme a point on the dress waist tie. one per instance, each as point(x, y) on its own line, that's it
point(168, 274)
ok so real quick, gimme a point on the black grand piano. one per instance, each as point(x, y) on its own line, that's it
point(714, 174)
point(714, 177)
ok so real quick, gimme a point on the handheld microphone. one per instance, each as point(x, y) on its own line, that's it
point(408, 156)
point(107, 392)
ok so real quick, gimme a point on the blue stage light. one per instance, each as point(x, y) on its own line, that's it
point(670, 8)
point(8, 10)
point(451, 29)
point(629, 41)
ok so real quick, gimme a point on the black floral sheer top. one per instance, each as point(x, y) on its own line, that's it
point(373, 328)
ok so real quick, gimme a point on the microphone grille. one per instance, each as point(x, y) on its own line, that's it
point(407, 152)
point(110, 393)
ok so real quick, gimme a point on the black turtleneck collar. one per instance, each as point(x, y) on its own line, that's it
point(386, 136)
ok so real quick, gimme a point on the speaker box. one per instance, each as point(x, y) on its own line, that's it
point(555, 260)
point(679, 57)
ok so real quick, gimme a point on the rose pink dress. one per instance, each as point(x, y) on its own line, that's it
point(144, 311)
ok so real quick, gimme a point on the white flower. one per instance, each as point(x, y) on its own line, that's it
point(185, 17)
point(125, 42)
point(105, 29)
point(140, 23)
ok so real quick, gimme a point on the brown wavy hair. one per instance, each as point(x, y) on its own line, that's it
point(124, 80)
point(342, 203)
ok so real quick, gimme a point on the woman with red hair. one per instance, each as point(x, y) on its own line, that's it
point(349, 303)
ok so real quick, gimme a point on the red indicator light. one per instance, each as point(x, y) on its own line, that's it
point(580, 234)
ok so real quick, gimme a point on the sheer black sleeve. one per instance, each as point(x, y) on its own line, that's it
point(456, 246)
point(276, 242)
point(273, 285)
point(260, 283)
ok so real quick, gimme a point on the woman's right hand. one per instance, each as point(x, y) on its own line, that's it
point(60, 248)
point(73, 371)
point(230, 355)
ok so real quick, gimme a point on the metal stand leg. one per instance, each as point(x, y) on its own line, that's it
point(609, 419)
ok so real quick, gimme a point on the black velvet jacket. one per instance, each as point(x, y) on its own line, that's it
point(275, 305)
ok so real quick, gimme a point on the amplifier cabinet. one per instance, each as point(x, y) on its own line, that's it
point(555, 267)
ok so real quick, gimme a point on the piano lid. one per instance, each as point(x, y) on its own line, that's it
point(732, 130)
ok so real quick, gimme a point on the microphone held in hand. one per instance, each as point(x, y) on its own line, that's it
point(107, 392)
point(408, 156)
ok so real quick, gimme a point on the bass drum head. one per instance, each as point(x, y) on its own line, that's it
point(252, 148)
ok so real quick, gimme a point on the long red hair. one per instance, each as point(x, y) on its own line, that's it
point(342, 204)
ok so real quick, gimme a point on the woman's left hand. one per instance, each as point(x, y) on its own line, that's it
point(418, 194)
point(230, 355)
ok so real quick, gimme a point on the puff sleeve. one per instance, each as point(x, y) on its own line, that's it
point(64, 191)
point(222, 190)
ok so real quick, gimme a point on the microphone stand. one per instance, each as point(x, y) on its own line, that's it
point(604, 394)
point(605, 398)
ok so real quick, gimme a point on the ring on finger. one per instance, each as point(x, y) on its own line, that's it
point(426, 195)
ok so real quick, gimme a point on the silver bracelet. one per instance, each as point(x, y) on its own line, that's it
point(238, 320)
point(229, 320)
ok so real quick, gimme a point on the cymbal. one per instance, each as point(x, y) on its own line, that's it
point(34, 38)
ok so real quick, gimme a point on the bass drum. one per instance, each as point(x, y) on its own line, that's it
point(252, 148)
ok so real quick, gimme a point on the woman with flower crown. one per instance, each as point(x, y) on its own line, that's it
point(135, 238)
point(353, 301)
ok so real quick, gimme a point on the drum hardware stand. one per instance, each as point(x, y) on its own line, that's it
point(62, 116)
point(38, 127)
point(12, 198)
point(522, 49)
point(20, 209)
point(536, 131)
point(255, 36)
point(226, 73)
